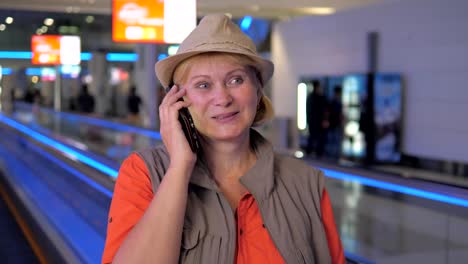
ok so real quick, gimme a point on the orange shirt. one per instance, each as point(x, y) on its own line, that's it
point(254, 244)
point(133, 194)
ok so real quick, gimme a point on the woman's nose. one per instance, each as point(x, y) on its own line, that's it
point(222, 96)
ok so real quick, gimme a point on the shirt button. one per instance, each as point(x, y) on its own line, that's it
point(263, 225)
point(240, 231)
point(110, 220)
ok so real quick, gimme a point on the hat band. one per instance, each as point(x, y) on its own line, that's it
point(224, 46)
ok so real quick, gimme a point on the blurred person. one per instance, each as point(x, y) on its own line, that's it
point(73, 102)
point(29, 95)
point(335, 121)
point(133, 105)
point(37, 97)
point(233, 201)
point(366, 126)
point(317, 120)
point(85, 101)
point(37, 100)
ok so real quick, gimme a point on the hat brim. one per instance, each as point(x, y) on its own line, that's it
point(165, 68)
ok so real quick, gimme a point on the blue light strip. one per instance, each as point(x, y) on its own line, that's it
point(94, 121)
point(396, 188)
point(6, 71)
point(245, 23)
point(86, 56)
point(71, 170)
point(122, 57)
point(106, 124)
point(33, 71)
point(52, 143)
point(15, 55)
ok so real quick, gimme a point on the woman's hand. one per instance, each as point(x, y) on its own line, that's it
point(180, 153)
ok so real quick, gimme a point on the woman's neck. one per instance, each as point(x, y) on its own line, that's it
point(229, 160)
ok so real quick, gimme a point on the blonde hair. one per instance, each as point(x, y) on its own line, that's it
point(264, 108)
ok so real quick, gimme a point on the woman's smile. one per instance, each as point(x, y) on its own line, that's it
point(226, 117)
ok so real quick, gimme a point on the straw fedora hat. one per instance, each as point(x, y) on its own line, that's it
point(214, 33)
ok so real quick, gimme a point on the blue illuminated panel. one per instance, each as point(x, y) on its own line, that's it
point(15, 55)
point(122, 57)
point(86, 56)
point(6, 71)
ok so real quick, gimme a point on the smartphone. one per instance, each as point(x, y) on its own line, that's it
point(188, 127)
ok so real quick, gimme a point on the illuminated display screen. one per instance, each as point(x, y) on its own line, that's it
point(45, 49)
point(55, 50)
point(155, 21)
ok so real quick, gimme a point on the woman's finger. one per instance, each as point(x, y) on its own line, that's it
point(174, 95)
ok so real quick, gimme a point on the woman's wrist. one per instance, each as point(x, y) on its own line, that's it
point(181, 170)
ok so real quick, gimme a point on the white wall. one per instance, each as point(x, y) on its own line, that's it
point(425, 40)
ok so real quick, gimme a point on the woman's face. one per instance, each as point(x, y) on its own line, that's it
point(224, 97)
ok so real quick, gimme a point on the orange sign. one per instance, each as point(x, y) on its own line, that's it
point(55, 49)
point(155, 21)
point(45, 49)
point(138, 21)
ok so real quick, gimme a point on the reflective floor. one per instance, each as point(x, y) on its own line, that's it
point(389, 227)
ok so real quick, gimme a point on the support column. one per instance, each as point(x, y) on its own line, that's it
point(97, 87)
point(58, 90)
point(147, 83)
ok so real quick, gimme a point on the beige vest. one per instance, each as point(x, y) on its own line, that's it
point(288, 193)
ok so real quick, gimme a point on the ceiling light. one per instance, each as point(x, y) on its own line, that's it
point(48, 22)
point(9, 20)
point(39, 31)
point(2, 27)
point(44, 29)
point(89, 19)
point(318, 10)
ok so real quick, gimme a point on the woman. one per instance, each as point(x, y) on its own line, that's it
point(234, 202)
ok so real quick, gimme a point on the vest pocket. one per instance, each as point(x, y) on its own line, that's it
point(190, 239)
point(302, 258)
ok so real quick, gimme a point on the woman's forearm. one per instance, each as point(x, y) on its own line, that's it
point(157, 236)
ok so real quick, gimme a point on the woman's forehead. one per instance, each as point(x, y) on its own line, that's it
point(215, 66)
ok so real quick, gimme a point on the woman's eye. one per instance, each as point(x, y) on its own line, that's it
point(236, 80)
point(202, 85)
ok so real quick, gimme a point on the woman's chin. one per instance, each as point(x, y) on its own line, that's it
point(227, 135)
